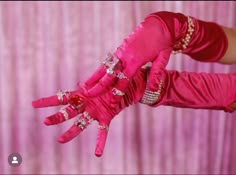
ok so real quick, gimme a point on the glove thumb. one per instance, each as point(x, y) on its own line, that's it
point(157, 70)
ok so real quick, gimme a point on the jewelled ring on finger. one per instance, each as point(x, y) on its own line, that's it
point(110, 61)
point(110, 71)
point(117, 92)
point(76, 102)
point(65, 114)
point(84, 121)
point(81, 123)
point(60, 95)
point(121, 75)
point(88, 117)
point(103, 127)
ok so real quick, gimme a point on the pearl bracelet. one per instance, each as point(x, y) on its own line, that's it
point(183, 44)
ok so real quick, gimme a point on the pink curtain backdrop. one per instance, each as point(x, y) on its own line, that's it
point(47, 46)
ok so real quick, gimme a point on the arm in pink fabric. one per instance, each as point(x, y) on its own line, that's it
point(198, 90)
point(98, 108)
point(204, 41)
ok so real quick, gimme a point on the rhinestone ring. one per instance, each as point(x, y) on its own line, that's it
point(83, 122)
point(88, 117)
point(65, 114)
point(103, 127)
point(110, 71)
point(121, 75)
point(60, 95)
point(117, 92)
point(110, 61)
point(76, 102)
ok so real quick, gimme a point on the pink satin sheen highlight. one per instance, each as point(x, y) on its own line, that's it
point(100, 145)
point(71, 133)
point(51, 101)
point(201, 90)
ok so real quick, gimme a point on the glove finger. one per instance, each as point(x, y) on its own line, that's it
point(83, 121)
point(102, 85)
point(114, 67)
point(97, 75)
point(70, 134)
point(101, 139)
point(109, 63)
point(120, 87)
point(45, 102)
point(60, 99)
point(63, 115)
point(156, 72)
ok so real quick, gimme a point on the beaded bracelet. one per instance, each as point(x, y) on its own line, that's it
point(151, 97)
point(183, 44)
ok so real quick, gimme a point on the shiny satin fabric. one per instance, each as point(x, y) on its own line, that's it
point(98, 108)
point(208, 42)
point(198, 90)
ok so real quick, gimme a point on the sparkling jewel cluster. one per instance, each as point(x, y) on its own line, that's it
point(183, 44)
point(151, 97)
point(76, 101)
point(82, 123)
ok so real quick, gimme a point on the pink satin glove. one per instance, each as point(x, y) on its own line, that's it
point(153, 40)
point(89, 109)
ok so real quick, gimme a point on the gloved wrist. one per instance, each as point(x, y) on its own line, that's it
point(152, 97)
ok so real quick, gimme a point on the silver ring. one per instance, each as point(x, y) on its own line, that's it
point(121, 75)
point(110, 71)
point(103, 127)
point(82, 123)
point(110, 61)
point(65, 114)
point(77, 107)
point(60, 95)
point(117, 92)
point(88, 117)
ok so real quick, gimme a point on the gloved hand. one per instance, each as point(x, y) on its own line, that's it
point(97, 108)
point(153, 40)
